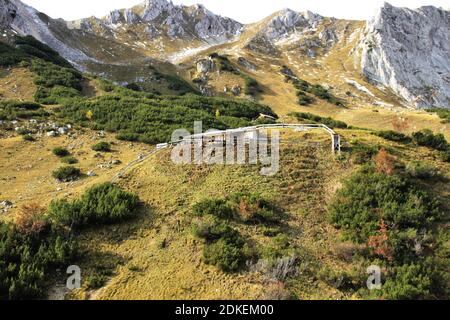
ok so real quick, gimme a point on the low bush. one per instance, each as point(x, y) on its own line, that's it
point(252, 86)
point(331, 123)
point(69, 160)
point(394, 136)
point(66, 174)
point(253, 208)
point(28, 137)
point(215, 230)
point(224, 246)
point(427, 138)
point(369, 197)
point(421, 170)
point(304, 99)
point(23, 131)
point(215, 207)
point(102, 147)
point(101, 204)
point(443, 113)
point(280, 247)
point(60, 152)
point(416, 281)
point(139, 116)
point(12, 110)
point(229, 256)
point(363, 153)
point(304, 87)
point(28, 255)
point(95, 281)
point(445, 155)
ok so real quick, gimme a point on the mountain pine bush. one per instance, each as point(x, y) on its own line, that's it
point(101, 204)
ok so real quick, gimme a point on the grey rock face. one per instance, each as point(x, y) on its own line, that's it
point(293, 29)
point(288, 22)
point(8, 12)
point(25, 20)
point(408, 51)
point(205, 65)
point(163, 17)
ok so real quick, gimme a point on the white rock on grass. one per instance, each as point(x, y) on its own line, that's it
point(91, 174)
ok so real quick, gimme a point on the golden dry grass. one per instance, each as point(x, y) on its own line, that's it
point(17, 84)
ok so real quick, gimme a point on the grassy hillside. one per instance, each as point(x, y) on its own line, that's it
point(212, 232)
point(161, 257)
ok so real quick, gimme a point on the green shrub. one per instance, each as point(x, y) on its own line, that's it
point(26, 259)
point(443, 113)
point(27, 48)
point(32, 47)
point(252, 86)
point(394, 136)
point(253, 208)
point(95, 281)
point(421, 170)
point(331, 123)
point(69, 160)
point(228, 256)
point(102, 147)
point(426, 138)
point(60, 152)
point(23, 131)
point(139, 116)
point(304, 99)
point(101, 204)
point(422, 280)
point(270, 231)
point(279, 248)
point(215, 207)
point(213, 231)
point(66, 174)
point(127, 136)
point(363, 153)
point(11, 110)
point(369, 197)
point(28, 137)
point(445, 155)
point(224, 245)
point(224, 64)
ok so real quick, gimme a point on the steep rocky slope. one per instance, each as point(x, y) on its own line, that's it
point(409, 52)
point(18, 18)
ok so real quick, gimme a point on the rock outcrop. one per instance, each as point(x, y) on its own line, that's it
point(24, 20)
point(305, 31)
point(164, 18)
point(408, 51)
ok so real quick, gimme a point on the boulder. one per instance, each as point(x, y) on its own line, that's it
point(91, 174)
point(205, 65)
point(236, 90)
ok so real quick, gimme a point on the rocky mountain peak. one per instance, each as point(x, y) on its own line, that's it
point(288, 21)
point(409, 52)
point(162, 17)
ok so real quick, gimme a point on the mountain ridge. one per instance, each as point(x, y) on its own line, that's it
point(158, 29)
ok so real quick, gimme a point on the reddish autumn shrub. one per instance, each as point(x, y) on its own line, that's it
point(380, 243)
point(384, 162)
point(31, 219)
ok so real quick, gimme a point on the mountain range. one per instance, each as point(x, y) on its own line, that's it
point(401, 52)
